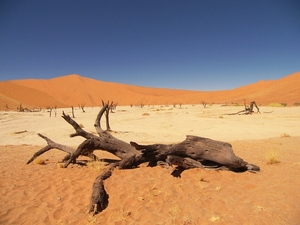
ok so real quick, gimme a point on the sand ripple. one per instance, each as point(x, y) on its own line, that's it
point(46, 194)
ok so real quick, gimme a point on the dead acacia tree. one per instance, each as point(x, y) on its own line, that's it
point(248, 109)
point(55, 111)
point(20, 108)
point(73, 115)
point(193, 152)
point(52, 109)
point(110, 107)
point(81, 106)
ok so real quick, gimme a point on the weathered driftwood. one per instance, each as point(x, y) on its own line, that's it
point(53, 145)
point(193, 152)
point(248, 109)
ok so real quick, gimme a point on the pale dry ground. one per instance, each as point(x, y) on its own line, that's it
point(46, 194)
point(164, 124)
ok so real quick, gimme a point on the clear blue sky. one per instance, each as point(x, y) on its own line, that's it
point(197, 45)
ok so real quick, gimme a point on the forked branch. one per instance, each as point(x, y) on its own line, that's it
point(98, 118)
point(77, 128)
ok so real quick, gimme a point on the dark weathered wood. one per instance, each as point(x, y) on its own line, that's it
point(108, 108)
point(99, 198)
point(193, 152)
point(104, 140)
point(247, 110)
point(185, 163)
point(107, 143)
point(197, 148)
point(73, 115)
point(250, 108)
point(77, 128)
point(97, 124)
point(82, 107)
point(107, 116)
point(53, 145)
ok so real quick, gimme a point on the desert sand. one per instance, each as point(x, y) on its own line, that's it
point(48, 194)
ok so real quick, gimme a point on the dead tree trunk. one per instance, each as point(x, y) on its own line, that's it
point(193, 152)
point(73, 112)
point(20, 108)
point(55, 111)
point(50, 111)
point(82, 107)
point(109, 109)
point(113, 106)
point(251, 107)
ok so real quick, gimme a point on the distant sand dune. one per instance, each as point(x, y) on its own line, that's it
point(74, 90)
point(11, 95)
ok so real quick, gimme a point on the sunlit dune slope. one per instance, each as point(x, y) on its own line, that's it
point(12, 95)
point(73, 90)
point(284, 90)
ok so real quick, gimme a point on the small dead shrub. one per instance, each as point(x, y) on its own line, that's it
point(60, 165)
point(272, 157)
point(284, 135)
point(214, 218)
point(275, 104)
point(259, 208)
point(283, 104)
point(145, 114)
point(39, 161)
point(97, 165)
point(200, 177)
point(297, 104)
point(218, 188)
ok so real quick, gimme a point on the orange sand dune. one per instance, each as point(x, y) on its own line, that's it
point(11, 95)
point(285, 90)
point(74, 90)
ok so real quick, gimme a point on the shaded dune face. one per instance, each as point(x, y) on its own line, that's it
point(74, 90)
